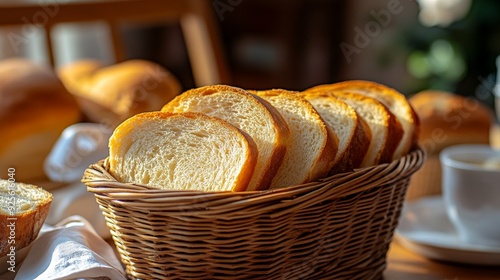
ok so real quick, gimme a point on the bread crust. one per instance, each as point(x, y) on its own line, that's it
point(325, 160)
point(393, 128)
point(279, 124)
point(354, 152)
point(27, 223)
point(394, 101)
point(391, 124)
point(116, 142)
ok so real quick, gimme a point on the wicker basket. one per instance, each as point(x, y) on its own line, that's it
point(337, 228)
point(427, 180)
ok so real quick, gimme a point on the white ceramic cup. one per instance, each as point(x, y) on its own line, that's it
point(471, 191)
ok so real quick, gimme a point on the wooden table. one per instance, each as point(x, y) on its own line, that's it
point(403, 264)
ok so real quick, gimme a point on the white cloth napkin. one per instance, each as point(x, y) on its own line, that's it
point(74, 199)
point(70, 250)
point(78, 146)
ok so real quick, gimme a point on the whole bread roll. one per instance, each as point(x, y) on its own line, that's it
point(448, 119)
point(111, 94)
point(35, 108)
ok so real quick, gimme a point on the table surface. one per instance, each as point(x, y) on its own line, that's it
point(403, 264)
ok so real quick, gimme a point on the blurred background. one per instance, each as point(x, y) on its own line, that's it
point(409, 45)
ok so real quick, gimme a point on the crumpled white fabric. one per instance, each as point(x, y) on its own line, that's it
point(78, 146)
point(69, 250)
point(74, 199)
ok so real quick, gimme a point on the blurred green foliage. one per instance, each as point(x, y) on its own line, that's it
point(460, 57)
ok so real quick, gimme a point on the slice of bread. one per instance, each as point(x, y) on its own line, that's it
point(23, 210)
point(248, 112)
point(312, 148)
point(385, 129)
point(394, 101)
point(353, 133)
point(186, 151)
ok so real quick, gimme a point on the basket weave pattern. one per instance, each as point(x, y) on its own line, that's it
point(337, 228)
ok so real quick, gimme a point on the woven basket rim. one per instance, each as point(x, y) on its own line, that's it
point(97, 177)
point(104, 186)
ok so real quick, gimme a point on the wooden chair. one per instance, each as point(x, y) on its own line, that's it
point(195, 16)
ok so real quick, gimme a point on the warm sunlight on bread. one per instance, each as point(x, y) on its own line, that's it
point(249, 113)
point(186, 151)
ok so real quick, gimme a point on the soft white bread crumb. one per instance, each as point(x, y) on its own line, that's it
point(249, 113)
point(312, 148)
point(185, 151)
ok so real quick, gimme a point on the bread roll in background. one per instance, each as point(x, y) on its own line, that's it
point(35, 108)
point(446, 119)
point(111, 94)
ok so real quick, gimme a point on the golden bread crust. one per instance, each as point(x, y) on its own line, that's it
point(359, 140)
point(395, 101)
point(325, 160)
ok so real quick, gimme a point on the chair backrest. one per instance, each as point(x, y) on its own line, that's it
point(196, 18)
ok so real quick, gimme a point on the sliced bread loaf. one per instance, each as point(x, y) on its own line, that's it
point(186, 151)
point(385, 129)
point(248, 112)
point(312, 148)
point(23, 210)
point(353, 133)
point(394, 101)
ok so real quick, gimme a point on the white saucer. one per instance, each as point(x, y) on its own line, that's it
point(425, 229)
